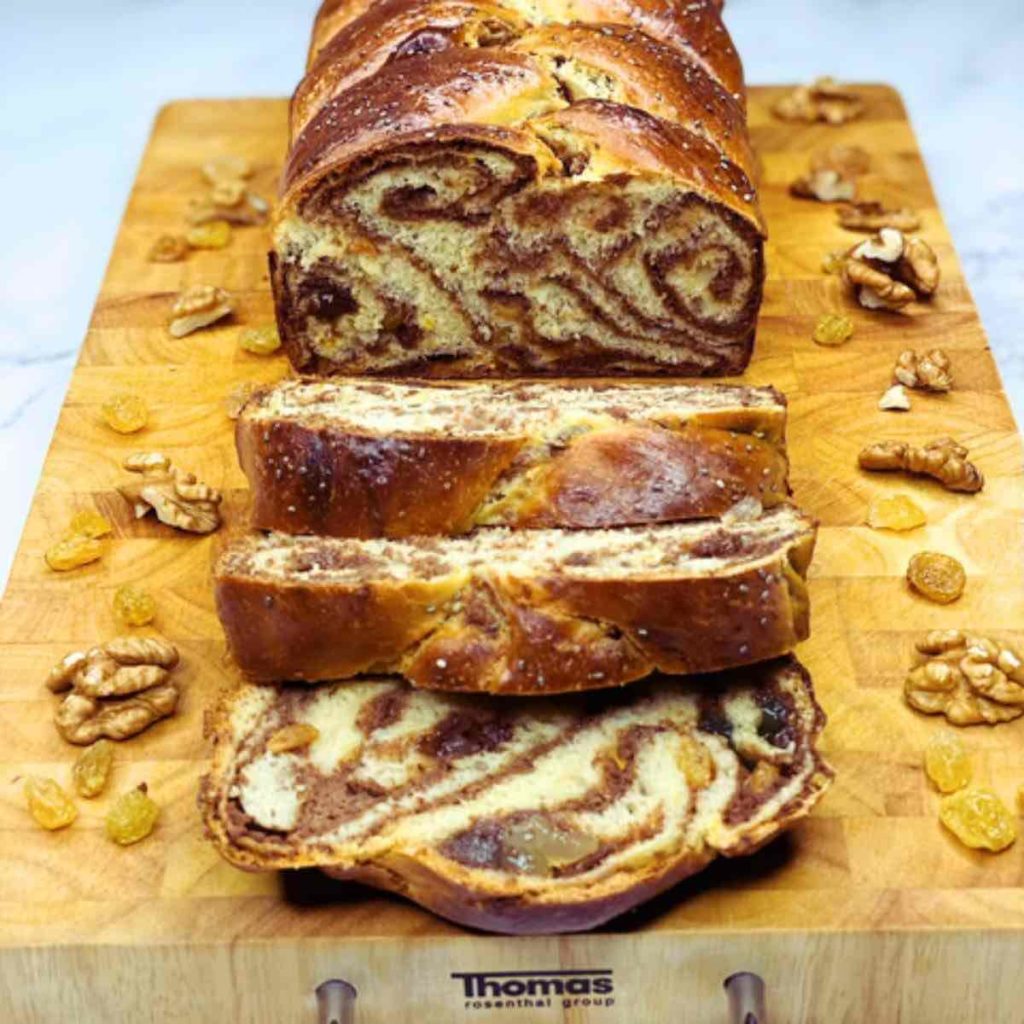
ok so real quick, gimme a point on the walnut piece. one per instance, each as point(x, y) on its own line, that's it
point(874, 288)
point(248, 209)
point(871, 215)
point(826, 185)
point(177, 498)
point(833, 174)
point(969, 679)
point(890, 269)
point(942, 459)
point(198, 307)
point(118, 689)
point(226, 168)
point(928, 372)
point(824, 99)
point(895, 399)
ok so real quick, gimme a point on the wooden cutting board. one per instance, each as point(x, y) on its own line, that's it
point(868, 911)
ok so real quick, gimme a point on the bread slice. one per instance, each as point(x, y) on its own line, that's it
point(365, 458)
point(544, 815)
point(527, 611)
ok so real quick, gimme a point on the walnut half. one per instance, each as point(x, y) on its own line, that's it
point(928, 372)
point(833, 173)
point(890, 269)
point(117, 689)
point(870, 215)
point(824, 99)
point(943, 460)
point(969, 679)
point(177, 498)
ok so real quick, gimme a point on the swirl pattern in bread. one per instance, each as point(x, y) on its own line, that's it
point(511, 815)
point(532, 186)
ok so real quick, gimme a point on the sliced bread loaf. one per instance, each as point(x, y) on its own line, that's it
point(517, 816)
point(364, 458)
point(529, 611)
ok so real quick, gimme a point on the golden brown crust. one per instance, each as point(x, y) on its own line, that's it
point(491, 631)
point(694, 27)
point(422, 135)
point(315, 475)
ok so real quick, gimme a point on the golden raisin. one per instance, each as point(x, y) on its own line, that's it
point(292, 737)
point(132, 817)
point(92, 769)
point(126, 413)
point(895, 513)
point(214, 234)
point(168, 249)
point(979, 819)
point(72, 552)
point(87, 522)
point(937, 577)
point(260, 341)
point(833, 329)
point(49, 803)
point(134, 606)
point(946, 763)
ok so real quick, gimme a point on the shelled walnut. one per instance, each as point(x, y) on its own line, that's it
point(871, 215)
point(824, 99)
point(890, 270)
point(969, 679)
point(177, 498)
point(227, 167)
point(832, 175)
point(943, 459)
point(931, 371)
point(198, 307)
point(115, 690)
point(227, 201)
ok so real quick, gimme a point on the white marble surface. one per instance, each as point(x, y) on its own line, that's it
point(81, 80)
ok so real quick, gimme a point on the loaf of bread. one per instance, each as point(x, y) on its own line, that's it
point(522, 611)
point(374, 458)
point(547, 815)
point(479, 188)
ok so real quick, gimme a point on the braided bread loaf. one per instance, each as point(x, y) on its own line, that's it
point(532, 186)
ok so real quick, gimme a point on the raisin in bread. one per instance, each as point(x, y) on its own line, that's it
point(368, 458)
point(548, 815)
point(527, 611)
point(492, 189)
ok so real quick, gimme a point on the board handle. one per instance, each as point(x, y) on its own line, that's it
point(336, 1002)
point(746, 998)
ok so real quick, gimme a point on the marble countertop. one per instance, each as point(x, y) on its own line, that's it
point(82, 80)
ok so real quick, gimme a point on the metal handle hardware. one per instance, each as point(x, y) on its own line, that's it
point(336, 1002)
point(746, 998)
